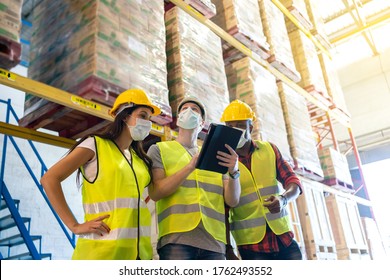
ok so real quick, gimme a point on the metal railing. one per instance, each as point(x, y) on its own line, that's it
point(11, 112)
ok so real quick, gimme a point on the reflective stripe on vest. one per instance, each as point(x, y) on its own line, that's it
point(248, 220)
point(115, 192)
point(99, 207)
point(200, 197)
point(119, 233)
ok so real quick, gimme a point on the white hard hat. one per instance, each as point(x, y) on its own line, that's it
point(193, 99)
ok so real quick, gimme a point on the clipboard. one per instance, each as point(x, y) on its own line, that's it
point(216, 138)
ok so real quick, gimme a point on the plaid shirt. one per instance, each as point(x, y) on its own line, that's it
point(284, 175)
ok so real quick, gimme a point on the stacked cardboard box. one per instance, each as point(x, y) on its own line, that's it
point(276, 32)
point(318, 29)
point(316, 227)
point(195, 64)
point(298, 9)
point(376, 244)
point(351, 243)
point(308, 65)
point(241, 19)
point(206, 7)
point(335, 167)
point(10, 25)
point(252, 84)
point(299, 132)
point(332, 83)
point(102, 47)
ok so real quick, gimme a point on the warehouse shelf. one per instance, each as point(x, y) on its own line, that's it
point(98, 110)
point(294, 20)
point(326, 111)
point(322, 104)
point(329, 112)
point(164, 132)
point(64, 98)
point(33, 135)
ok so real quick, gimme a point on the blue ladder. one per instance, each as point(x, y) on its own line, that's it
point(13, 220)
point(19, 234)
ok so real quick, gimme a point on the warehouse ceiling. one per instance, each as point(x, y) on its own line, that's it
point(356, 25)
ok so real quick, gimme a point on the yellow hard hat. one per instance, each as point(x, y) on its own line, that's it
point(238, 111)
point(133, 97)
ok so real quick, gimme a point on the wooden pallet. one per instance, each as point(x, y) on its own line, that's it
point(338, 184)
point(319, 95)
point(322, 38)
point(347, 228)
point(282, 68)
point(10, 53)
point(305, 22)
point(231, 54)
point(306, 172)
point(321, 252)
point(314, 218)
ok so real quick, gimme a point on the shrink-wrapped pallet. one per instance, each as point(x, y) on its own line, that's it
point(336, 169)
point(205, 7)
point(10, 26)
point(276, 32)
point(195, 64)
point(97, 49)
point(318, 29)
point(351, 242)
point(332, 83)
point(299, 133)
point(308, 65)
point(316, 227)
point(241, 19)
point(298, 9)
point(375, 241)
point(252, 84)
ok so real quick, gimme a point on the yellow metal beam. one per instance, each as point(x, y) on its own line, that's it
point(343, 12)
point(54, 94)
point(380, 20)
point(29, 134)
point(301, 27)
point(351, 196)
point(62, 97)
point(238, 45)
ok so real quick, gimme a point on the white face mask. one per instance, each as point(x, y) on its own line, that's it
point(189, 119)
point(243, 140)
point(140, 130)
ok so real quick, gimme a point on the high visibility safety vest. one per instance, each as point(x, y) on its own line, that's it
point(117, 191)
point(249, 218)
point(200, 197)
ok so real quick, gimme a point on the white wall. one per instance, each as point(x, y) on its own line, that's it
point(22, 187)
point(366, 85)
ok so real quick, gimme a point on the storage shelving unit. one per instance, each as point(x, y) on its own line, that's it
point(324, 114)
point(323, 111)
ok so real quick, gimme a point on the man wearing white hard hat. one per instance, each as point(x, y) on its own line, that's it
point(190, 202)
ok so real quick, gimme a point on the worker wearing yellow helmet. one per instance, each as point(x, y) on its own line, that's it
point(190, 201)
point(259, 223)
point(115, 171)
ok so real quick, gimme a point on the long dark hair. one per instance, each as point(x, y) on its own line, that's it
point(112, 132)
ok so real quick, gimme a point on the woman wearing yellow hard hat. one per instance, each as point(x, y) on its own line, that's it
point(115, 172)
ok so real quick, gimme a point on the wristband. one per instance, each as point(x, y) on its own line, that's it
point(284, 200)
